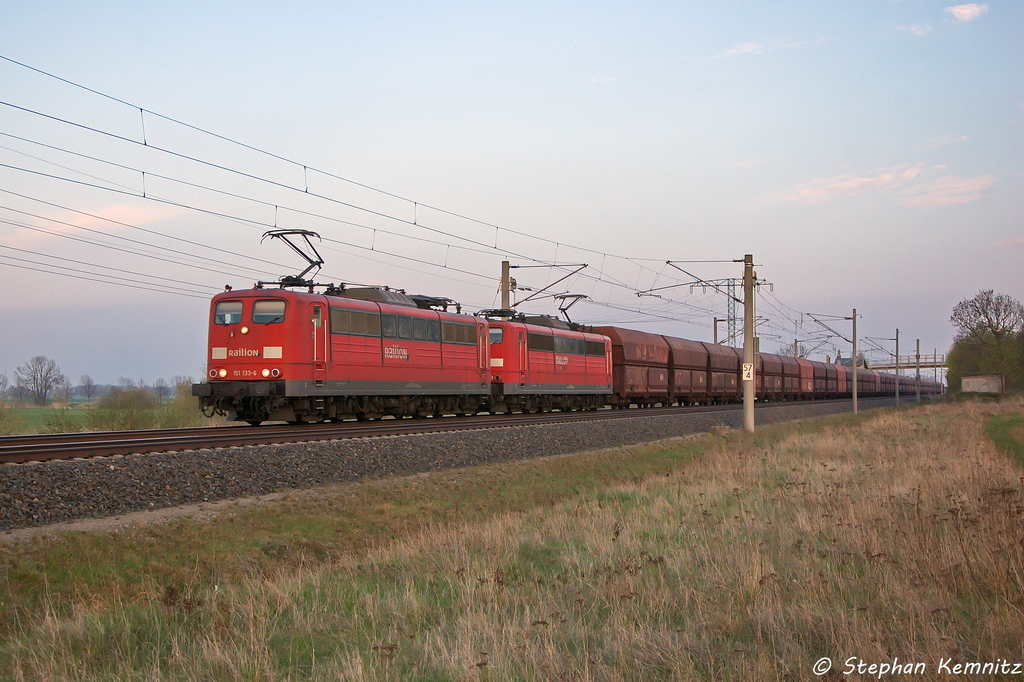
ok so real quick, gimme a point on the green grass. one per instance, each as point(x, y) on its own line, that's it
point(1007, 432)
point(33, 419)
point(305, 529)
point(716, 558)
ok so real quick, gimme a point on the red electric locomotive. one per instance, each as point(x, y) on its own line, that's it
point(277, 354)
point(540, 363)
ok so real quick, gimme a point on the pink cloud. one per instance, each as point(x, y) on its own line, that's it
point(108, 220)
point(947, 190)
point(825, 189)
point(1009, 243)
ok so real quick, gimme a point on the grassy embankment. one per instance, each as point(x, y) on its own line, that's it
point(895, 534)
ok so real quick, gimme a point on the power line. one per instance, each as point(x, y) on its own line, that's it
point(601, 274)
point(102, 281)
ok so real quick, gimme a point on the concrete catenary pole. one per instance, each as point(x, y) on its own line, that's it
point(855, 361)
point(716, 330)
point(749, 362)
point(897, 367)
point(506, 287)
point(917, 378)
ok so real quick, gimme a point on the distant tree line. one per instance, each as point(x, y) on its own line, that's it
point(41, 382)
point(989, 339)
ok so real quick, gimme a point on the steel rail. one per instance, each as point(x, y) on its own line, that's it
point(45, 447)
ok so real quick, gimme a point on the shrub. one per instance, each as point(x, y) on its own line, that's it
point(182, 410)
point(62, 420)
point(123, 409)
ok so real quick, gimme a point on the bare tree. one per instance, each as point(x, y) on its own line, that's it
point(62, 391)
point(162, 389)
point(789, 351)
point(88, 386)
point(3, 387)
point(38, 378)
point(987, 317)
point(125, 382)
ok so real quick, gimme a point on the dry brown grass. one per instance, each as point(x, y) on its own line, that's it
point(898, 536)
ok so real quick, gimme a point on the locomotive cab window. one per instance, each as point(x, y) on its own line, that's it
point(268, 312)
point(228, 312)
point(497, 334)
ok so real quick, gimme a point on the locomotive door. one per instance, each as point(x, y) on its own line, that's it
point(524, 358)
point(319, 346)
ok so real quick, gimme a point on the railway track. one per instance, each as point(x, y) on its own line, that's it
point(45, 447)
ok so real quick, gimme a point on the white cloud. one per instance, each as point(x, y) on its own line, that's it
point(942, 141)
point(758, 47)
point(745, 48)
point(948, 190)
point(967, 12)
point(916, 30)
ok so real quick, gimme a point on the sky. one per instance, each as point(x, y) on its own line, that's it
point(868, 153)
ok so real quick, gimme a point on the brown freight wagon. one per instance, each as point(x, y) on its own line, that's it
point(687, 371)
point(769, 377)
point(639, 367)
point(790, 377)
point(723, 372)
point(831, 380)
point(806, 378)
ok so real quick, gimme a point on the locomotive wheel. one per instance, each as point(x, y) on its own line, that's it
point(253, 422)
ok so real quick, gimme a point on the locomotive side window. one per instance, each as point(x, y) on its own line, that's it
point(228, 312)
point(404, 327)
point(268, 312)
point(455, 332)
point(355, 322)
point(419, 328)
point(434, 331)
point(497, 334)
point(389, 326)
point(595, 348)
point(542, 342)
point(569, 345)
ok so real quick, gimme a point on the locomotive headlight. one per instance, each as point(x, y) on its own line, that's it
point(265, 373)
point(244, 330)
point(223, 373)
point(213, 374)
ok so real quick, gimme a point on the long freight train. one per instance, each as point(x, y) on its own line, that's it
point(363, 353)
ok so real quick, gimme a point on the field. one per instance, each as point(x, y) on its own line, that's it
point(888, 538)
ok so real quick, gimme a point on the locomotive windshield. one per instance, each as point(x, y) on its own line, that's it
point(496, 334)
point(228, 312)
point(268, 312)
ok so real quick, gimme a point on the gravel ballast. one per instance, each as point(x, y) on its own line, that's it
point(52, 492)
